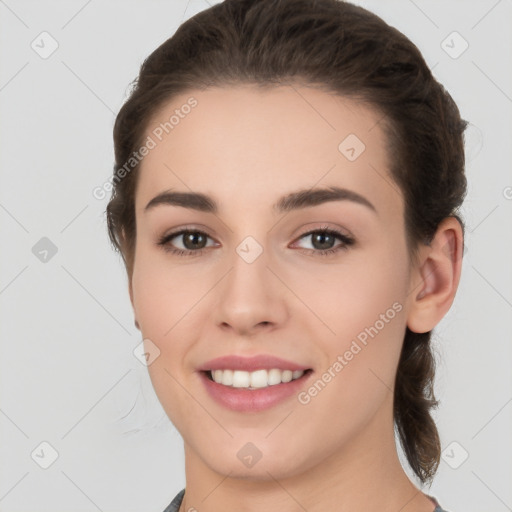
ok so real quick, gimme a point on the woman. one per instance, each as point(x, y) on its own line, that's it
point(286, 190)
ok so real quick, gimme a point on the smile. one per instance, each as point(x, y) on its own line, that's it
point(254, 380)
point(255, 391)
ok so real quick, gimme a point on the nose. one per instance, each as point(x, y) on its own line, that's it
point(251, 297)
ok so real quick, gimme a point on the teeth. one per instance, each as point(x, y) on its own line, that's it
point(256, 379)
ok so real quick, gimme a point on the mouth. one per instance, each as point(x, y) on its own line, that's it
point(253, 384)
point(258, 379)
point(255, 391)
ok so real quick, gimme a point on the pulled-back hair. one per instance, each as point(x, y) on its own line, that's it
point(349, 51)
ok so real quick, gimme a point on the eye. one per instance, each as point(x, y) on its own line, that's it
point(192, 242)
point(323, 241)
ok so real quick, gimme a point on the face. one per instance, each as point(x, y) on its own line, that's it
point(320, 281)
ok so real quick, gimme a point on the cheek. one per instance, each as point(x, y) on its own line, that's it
point(362, 309)
point(162, 294)
point(163, 300)
point(358, 375)
point(347, 298)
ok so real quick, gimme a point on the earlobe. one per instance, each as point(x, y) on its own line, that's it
point(130, 291)
point(438, 274)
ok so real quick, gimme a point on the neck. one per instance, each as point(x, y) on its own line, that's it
point(364, 474)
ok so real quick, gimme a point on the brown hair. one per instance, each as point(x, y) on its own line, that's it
point(348, 51)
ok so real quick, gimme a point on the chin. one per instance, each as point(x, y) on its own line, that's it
point(251, 463)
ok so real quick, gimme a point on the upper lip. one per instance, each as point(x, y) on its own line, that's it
point(249, 364)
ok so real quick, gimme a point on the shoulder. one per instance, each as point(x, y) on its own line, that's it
point(438, 507)
point(436, 503)
point(174, 506)
point(176, 503)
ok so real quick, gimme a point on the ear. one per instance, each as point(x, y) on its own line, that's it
point(130, 291)
point(436, 278)
point(129, 271)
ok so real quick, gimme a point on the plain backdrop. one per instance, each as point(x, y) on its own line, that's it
point(74, 397)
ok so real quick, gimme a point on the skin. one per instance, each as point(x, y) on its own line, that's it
point(246, 148)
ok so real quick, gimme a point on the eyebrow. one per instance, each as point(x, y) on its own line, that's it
point(293, 201)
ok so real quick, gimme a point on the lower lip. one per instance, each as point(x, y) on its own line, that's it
point(252, 400)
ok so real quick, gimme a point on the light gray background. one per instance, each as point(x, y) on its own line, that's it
point(68, 375)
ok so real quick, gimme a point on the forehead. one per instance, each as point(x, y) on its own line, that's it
point(240, 143)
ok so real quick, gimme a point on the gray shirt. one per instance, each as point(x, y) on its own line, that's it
point(174, 506)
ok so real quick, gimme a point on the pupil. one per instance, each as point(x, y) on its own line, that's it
point(321, 238)
point(193, 239)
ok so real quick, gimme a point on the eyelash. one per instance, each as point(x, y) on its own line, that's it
point(345, 239)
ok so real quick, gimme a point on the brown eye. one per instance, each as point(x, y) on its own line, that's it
point(194, 240)
point(323, 241)
point(185, 242)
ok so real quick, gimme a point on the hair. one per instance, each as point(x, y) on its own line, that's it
point(348, 51)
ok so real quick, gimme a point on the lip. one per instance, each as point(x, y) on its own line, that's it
point(250, 364)
point(252, 400)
